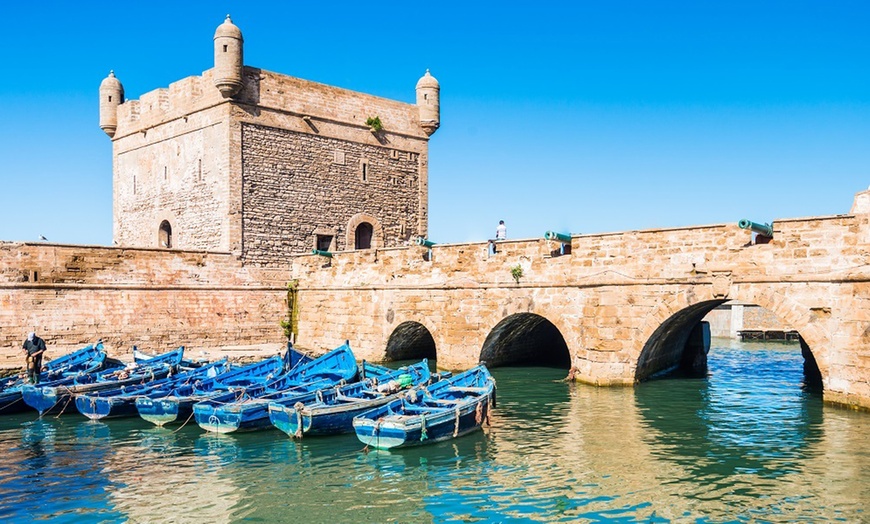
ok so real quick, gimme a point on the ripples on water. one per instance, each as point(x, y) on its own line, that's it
point(746, 444)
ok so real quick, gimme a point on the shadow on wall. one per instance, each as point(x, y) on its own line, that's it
point(411, 341)
point(525, 339)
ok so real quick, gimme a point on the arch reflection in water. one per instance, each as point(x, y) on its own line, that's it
point(732, 435)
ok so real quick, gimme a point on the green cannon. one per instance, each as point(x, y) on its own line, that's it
point(558, 237)
point(422, 242)
point(761, 229)
point(326, 254)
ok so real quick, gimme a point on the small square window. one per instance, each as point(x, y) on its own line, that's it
point(323, 242)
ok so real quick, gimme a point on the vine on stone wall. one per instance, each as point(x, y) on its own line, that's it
point(290, 325)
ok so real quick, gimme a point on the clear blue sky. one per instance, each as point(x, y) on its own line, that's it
point(581, 116)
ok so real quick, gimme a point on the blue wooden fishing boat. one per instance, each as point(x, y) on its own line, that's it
point(248, 410)
point(177, 405)
point(58, 371)
point(55, 399)
point(331, 411)
point(447, 409)
point(121, 402)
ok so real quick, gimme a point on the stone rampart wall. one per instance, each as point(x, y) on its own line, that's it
point(156, 299)
point(608, 298)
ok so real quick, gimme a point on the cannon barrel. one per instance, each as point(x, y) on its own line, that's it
point(326, 254)
point(420, 241)
point(558, 237)
point(761, 229)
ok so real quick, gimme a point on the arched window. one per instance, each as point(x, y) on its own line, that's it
point(363, 236)
point(164, 235)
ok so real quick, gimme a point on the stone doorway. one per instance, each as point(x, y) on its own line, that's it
point(363, 236)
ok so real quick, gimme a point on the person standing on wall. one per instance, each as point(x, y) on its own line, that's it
point(501, 231)
point(34, 347)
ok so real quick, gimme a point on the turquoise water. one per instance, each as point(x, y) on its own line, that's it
point(746, 444)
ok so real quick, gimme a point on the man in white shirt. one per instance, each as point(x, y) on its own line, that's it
point(501, 231)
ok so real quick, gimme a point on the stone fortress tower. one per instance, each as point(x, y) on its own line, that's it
point(264, 165)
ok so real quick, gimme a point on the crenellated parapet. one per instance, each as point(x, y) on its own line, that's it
point(163, 105)
point(231, 82)
point(302, 99)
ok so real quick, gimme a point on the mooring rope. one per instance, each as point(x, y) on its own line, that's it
point(13, 402)
point(56, 402)
point(298, 407)
point(456, 426)
point(64, 406)
point(185, 422)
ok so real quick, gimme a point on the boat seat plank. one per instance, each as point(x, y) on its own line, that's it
point(344, 398)
point(414, 409)
point(444, 401)
point(462, 389)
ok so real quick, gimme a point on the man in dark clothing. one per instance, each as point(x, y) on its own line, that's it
point(34, 347)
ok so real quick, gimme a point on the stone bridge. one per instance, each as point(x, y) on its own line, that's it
point(619, 308)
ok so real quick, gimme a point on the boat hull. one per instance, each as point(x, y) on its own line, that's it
point(46, 400)
point(388, 435)
point(97, 408)
point(230, 418)
point(248, 410)
point(11, 402)
point(444, 410)
point(331, 420)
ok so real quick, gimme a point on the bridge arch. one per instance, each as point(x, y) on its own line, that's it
point(411, 340)
point(666, 336)
point(525, 339)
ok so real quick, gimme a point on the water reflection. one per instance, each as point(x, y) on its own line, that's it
point(745, 440)
point(745, 444)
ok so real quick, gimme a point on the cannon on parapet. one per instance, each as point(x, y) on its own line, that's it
point(762, 229)
point(423, 242)
point(557, 237)
point(326, 254)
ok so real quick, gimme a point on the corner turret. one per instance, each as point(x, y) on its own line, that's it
point(228, 58)
point(111, 96)
point(428, 102)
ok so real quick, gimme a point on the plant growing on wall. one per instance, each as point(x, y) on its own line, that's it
point(290, 324)
point(375, 124)
point(517, 272)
